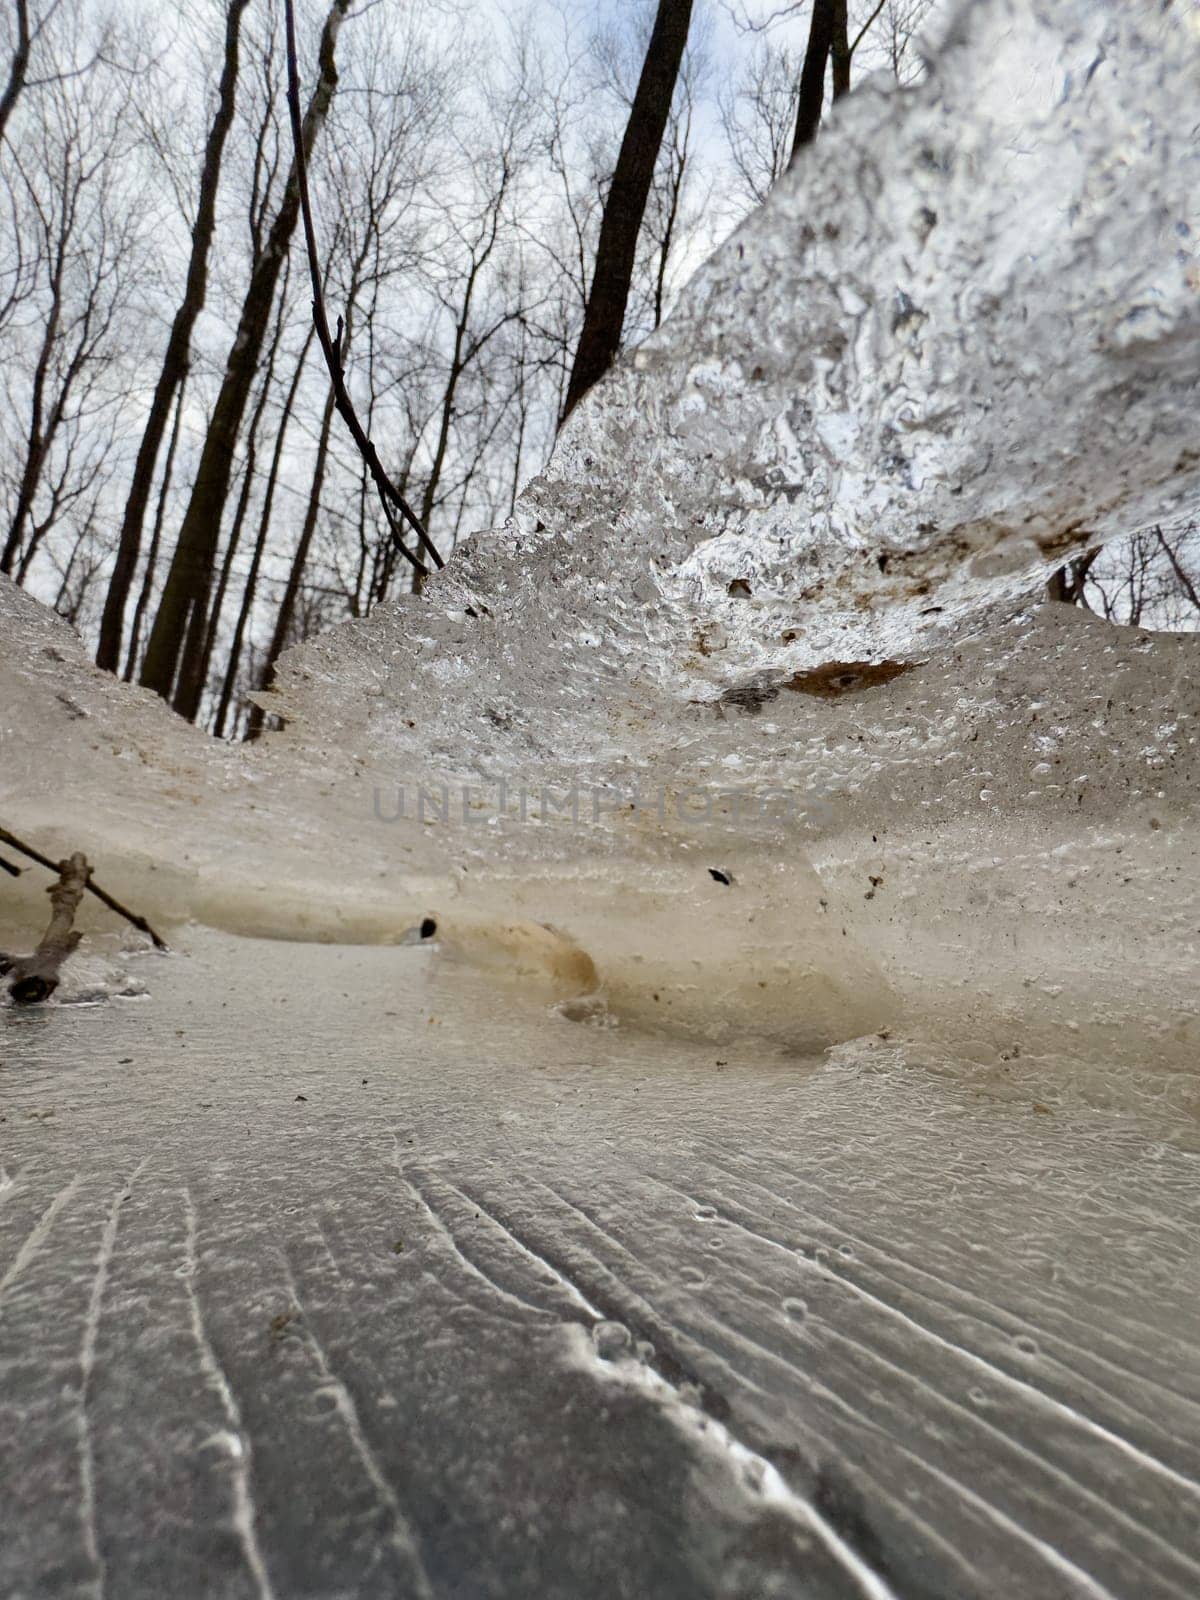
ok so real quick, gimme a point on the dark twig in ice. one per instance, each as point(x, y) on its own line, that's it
point(92, 888)
point(390, 496)
point(35, 977)
point(7, 866)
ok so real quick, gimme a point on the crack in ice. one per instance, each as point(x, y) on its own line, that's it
point(236, 1441)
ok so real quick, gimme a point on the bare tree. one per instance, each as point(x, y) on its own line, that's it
point(375, 163)
point(286, 614)
point(164, 491)
point(758, 116)
point(18, 64)
point(1151, 579)
point(773, 109)
point(828, 20)
point(233, 661)
point(175, 358)
point(625, 206)
point(200, 666)
point(493, 204)
point(181, 624)
point(78, 239)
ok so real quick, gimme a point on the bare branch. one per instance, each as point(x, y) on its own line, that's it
point(389, 495)
point(1185, 583)
point(140, 923)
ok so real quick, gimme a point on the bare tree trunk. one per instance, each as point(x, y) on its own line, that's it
point(841, 50)
point(1185, 583)
point(676, 176)
point(250, 588)
point(287, 606)
point(201, 665)
point(37, 440)
point(821, 34)
point(18, 68)
point(1069, 582)
point(175, 360)
point(446, 417)
point(604, 318)
point(181, 623)
point(164, 490)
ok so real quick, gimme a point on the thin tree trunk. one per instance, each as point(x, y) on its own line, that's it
point(522, 425)
point(812, 74)
point(201, 666)
point(840, 50)
point(177, 637)
point(604, 317)
point(385, 558)
point(458, 364)
point(250, 589)
point(1181, 577)
point(18, 68)
point(1069, 583)
point(664, 254)
point(164, 489)
point(287, 606)
point(35, 453)
point(175, 359)
point(198, 666)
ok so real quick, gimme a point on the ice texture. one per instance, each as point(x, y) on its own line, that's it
point(332, 1271)
point(959, 342)
point(336, 1289)
point(794, 545)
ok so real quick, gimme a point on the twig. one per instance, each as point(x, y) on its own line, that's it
point(389, 495)
point(7, 866)
point(35, 977)
point(92, 888)
point(866, 27)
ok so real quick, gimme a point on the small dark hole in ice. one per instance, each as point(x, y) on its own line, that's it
point(428, 928)
point(718, 876)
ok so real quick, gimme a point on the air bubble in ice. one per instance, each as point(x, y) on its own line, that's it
point(612, 1340)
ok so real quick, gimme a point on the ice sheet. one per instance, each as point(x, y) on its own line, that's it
point(392, 1301)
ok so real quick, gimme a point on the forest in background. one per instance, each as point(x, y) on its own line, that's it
point(174, 476)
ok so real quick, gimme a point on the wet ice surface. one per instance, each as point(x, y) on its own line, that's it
point(339, 1271)
point(323, 1273)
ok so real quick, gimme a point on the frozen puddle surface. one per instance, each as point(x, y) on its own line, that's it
point(323, 1272)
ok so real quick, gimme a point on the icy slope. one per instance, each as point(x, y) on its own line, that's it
point(959, 342)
